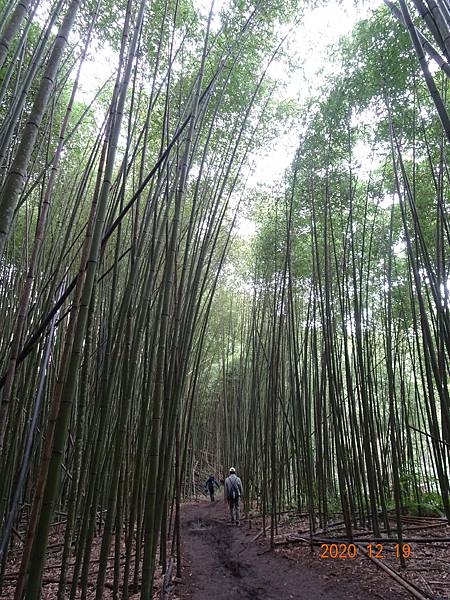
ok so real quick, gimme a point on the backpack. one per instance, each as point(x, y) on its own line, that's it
point(234, 491)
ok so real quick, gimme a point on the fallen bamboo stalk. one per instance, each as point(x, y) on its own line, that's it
point(425, 526)
point(335, 527)
point(357, 536)
point(300, 540)
point(320, 541)
point(396, 577)
point(442, 540)
point(283, 512)
point(258, 535)
point(422, 518)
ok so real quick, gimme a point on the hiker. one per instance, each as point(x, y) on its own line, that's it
point(233, 491)
point(209, 485)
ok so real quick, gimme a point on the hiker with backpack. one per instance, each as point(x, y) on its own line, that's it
point(233, 492)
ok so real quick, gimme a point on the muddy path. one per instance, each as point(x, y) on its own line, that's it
point(222, 562)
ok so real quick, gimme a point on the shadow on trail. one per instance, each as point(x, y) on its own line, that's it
point(222, 562)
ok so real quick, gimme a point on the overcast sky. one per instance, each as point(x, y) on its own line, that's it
point(310, 41)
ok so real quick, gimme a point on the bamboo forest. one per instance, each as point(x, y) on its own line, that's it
point(224, 299)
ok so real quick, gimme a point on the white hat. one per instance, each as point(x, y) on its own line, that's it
point(232, 470)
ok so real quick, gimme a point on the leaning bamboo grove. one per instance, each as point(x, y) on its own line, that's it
point(115, 219)
point(333, 377)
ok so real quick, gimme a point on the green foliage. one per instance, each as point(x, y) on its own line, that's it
point(377, 61)
point(428, 505)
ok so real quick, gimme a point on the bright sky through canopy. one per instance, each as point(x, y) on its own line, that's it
point(308, 45)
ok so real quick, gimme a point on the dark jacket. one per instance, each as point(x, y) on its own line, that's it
point(211, 482)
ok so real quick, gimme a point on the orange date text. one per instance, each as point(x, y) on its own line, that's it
point(351, 551)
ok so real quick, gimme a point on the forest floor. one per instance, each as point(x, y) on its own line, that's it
point(223, 561)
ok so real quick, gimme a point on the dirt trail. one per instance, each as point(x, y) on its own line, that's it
point(221, 562)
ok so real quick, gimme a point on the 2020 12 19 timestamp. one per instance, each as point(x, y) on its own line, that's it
point(374, 550)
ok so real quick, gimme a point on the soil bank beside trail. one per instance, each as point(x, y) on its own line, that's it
point(222, 562)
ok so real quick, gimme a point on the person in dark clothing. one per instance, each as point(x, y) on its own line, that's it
point(209, 485)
